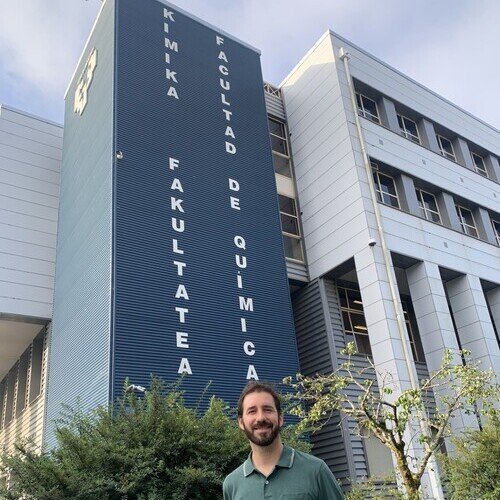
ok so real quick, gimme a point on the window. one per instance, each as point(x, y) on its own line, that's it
point(353, 317)
point(446, 148)
point(479, 165)
point(408, 128)
point(496, 230)
point(37, 352)
point(412, 329)
point(428, 206)
point(466, 221)
point(367, 108)
point(290, 228)
point(385, 188)
point(279, 145)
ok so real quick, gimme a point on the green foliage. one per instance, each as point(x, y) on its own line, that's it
point(149, 447)
point(474, 472)
point(396, 419)
point(375, 488)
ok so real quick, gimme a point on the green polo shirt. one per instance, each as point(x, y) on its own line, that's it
point(297, 476)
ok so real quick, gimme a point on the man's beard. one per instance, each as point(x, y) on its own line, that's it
point(263, 439)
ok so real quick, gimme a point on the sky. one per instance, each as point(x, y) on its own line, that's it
point(450, 46)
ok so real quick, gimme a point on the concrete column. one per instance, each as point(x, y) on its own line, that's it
point(462, 153)
point(388, 114)
point(406, 194)
point(448, 211)
point(493, 167)
point(473, 322)
point(483, 225)
point(428, 134)
point(436, 328)
point(385, 340)
point(493, 299)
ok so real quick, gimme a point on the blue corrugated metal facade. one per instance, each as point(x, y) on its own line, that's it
point(169, 258)
point(173, 131)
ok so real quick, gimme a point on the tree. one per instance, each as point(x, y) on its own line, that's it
point(392, 418)
point(143, 447)
point(474, 471)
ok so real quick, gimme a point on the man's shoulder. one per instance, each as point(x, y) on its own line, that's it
point(235, 476)
point(307, 459)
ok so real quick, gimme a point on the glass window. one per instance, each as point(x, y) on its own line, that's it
point(280, 148)
point(496, 230)
point(355, 328)
point(290, 228)
point(386, 189)
point(408, 128)
point(446, 148)
point(466, 221)
point(412, 329)
point(367, 108)
point(428, 206)
point(479, 164)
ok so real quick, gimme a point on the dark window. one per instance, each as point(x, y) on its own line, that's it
point(290, 228)
point(355, 328)
point(479, 165)
point(408, 128)
point(367, 108)
point(36, 366)
point(412, 328)
point(467, 222)
point(496, 230)
point(280, 147)
point(428, 206)
point(446, 148)
point(386, 189)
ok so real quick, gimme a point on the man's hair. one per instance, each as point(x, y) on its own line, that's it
point(256, 386)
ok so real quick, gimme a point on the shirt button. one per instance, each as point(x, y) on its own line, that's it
point(267, 482)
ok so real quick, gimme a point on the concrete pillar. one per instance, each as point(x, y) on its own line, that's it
point(388, 114)
point(436, 328)
point(462, 153)
point(448, 211)
point(385, 340)
point(483, 225)
point(428, 135)
point(473, 322)
point(493, 299)
point(493, 167)
point(406, 194)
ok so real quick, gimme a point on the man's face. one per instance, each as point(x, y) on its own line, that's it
point(260, 421)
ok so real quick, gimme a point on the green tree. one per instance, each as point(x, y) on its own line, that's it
point(393, 419)
point(143, 447)
point(474, 471)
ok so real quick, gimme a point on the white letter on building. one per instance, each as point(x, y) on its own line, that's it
point(173, 163)
point(172, 92)
point(182, 340)
point(222, 56)
point(175, 204)
point(175, 247)
point(181, 293)
point(169, 15)
point(235, 203)
point(234, 185)
point(171, 45)
point(184, 367)
point(246, 304)
point(243, 325)
point(219, 39)
point(249, 348)
point(180, 267)
point(182, 313)
point(252, 373)
point(176, 185)
point(178, 225)
point(171, 75)
point(241, 261)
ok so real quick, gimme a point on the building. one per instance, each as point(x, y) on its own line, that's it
point(389, 206)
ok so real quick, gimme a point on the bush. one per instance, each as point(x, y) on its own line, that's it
point(149, 447)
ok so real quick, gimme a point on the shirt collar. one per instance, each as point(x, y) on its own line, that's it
point(286, 460)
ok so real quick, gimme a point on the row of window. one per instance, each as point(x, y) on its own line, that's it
point(23, 384)
point(355, 329)
point(387, 194)
point(368, 108)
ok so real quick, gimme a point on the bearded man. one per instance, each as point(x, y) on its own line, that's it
point(274, 470)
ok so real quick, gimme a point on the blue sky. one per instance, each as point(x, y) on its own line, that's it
point(451, 46)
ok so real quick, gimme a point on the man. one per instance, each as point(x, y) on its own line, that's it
point(273, 470)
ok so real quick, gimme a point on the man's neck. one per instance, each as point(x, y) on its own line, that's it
point(265, 458)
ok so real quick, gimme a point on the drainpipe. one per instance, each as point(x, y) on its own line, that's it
point(437, 490)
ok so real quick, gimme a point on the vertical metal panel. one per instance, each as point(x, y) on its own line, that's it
point(153, 126)
point(315, 356)
point(79, 339)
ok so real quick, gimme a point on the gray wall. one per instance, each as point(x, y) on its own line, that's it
point(80, 338)
point(30, 160)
